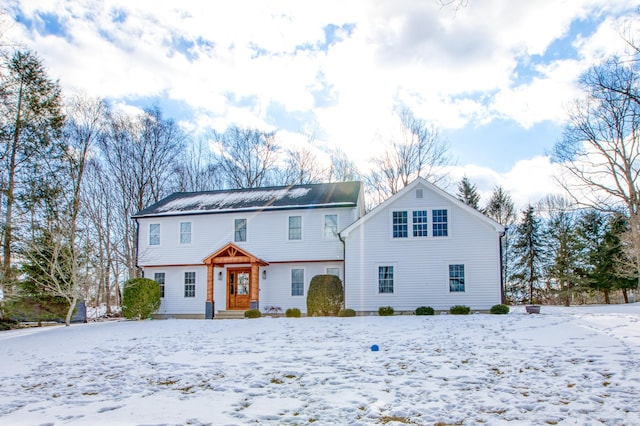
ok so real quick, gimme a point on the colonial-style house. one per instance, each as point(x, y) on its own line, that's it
point(235, 250)
point(244, 249)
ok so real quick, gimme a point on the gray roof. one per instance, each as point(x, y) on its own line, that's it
point(340, 194)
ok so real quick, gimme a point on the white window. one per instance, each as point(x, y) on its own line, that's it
point(240, 233)
point(420, 223)
point(385, 279)
point(295, 227)
point(159, 278)
point(440, 222)
point(154, 234)
point(297, 282)
point(189, 284)
point(185, 232)
point(400, 224)
point(331, 226)
point(456, 278)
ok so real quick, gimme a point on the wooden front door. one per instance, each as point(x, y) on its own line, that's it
point(238, 288)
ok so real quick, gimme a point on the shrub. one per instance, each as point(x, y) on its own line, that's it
point(325, 296)
point(459, 310)
point(140, 298)
point(425, 310)
point(385, 311)
point(252, 313)
point(293, 313)
point(499, 309)
point(346, 313)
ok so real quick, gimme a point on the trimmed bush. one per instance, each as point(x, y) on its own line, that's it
point(425, 310)
point(325, 296)
point(140, 298)
point(385, 311)
point(292, 313)
point(252, 313)
point(347, 313)
point(499, 309)
point(460, 310)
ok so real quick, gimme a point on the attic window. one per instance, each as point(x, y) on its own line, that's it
point(419, 193)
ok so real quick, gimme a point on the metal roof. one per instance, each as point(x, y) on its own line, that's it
point(339, 194)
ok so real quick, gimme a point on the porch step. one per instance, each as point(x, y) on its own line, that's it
point(229, 315)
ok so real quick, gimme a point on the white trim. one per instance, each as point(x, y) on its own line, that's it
point(304, 278)
point(377, 278)
point(289, 240)
point(466, 277)
point(180, 243)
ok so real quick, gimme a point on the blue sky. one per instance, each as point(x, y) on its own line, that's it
point(495, 76)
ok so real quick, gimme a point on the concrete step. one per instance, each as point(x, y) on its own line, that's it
point(229, 315)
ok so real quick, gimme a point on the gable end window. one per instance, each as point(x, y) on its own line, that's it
point(331, 226)
point(297, 282)
point(385, 279)
point(400, 224)
point(295, 228)
point(440, 223)
point(189, 284)
point(154, 234)
point(456, 278)
point(240, 232)
point(185, 232)
point(159, 278)
point(420, 223)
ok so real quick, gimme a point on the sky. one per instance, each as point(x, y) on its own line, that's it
point(495, 77)
point(565, 366)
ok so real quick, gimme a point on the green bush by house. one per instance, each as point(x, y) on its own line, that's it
point(252, 313)
point(460, 310)
point(293, 313)
point(499, 309)
point(325, 296)
point(425, 310)
point(385, 311)
point(347, 313)
point(140, 298)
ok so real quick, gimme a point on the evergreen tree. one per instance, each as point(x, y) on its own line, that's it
point(528, 251)
point(468, 193)
point(625, 273)
point(30, 118)
point(597, 273)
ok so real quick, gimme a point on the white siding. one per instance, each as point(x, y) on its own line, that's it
point(267, 236)
point(421, 264)
point(174, 302)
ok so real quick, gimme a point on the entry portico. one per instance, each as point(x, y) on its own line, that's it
point(242, 278)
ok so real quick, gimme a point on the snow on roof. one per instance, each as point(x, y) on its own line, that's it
point(288, 197)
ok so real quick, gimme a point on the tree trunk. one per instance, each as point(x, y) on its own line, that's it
point(72, 306)
point(625, 296)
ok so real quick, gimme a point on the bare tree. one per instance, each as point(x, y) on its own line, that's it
point(301, 167)
point(342, 169)
point(600, 149)
point(247, 157)
point(197, 169)
point(414, 151)
point(500, 208)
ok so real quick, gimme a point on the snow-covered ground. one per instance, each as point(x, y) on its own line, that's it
point(578, 365)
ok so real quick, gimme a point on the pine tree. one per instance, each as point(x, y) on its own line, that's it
point(468, 193)
point(528, 251)
point(501, 209)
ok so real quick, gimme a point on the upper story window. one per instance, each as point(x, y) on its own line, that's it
point(185, 232)
point(240, 233)
point(297, 282)
point(420, 223)
point(400, 225)
point(154, 234)
point(456, 278)
point(385, 279)
point(159, 278)
point(440, 223)
point(331, 226)
point(189, 284)
point(295, 227)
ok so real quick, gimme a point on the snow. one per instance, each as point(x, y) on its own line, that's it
point(567, 366)
point(220, 200)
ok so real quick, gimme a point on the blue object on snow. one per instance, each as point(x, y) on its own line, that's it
point(375, 348)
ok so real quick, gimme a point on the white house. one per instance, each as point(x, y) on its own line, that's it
point(241, 249)
point(259, 248)
point(422, 247)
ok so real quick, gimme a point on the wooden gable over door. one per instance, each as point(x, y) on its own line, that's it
point(231, 254)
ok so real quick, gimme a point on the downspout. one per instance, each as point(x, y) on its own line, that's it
point(137, 246)
point(344, 269)
point(502, 277)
